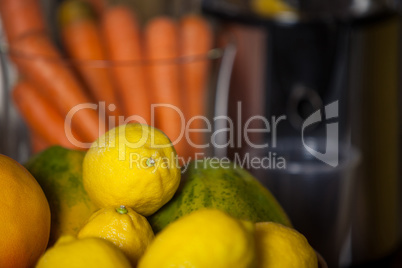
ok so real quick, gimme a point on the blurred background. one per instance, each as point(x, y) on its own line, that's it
point(273, 58)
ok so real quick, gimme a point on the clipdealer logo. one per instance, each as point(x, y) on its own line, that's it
point(331, 154)
point(327, 114)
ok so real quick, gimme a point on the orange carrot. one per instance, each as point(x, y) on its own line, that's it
point(195, 41)
point(162, 50)
point(122, 37)
point(39, 61)
point(20, 17)
point(82, 39)
point(38, 144)
point(41, 117)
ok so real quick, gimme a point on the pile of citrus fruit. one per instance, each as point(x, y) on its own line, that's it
point(124, 204)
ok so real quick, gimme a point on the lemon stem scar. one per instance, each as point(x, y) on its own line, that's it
point(150, 162)
point(122, 210)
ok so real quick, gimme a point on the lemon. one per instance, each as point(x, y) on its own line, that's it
point(271, 7)
point(133, 165)
point(279, 246)
point(123, 227)
point(69, 252)
point(204, 238)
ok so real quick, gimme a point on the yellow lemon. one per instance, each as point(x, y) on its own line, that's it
point(133, 165)
point(279, 246)
point(123, 227)
point(70, 252)
point(271, 7)
point(204, 238)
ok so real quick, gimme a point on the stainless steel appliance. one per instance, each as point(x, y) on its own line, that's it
point(322, 52)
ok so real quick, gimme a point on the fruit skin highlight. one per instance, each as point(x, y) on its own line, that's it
point(133, 165)
point(203, 239)
point(59, 172)
point(24, 214)
point(91, 252)
point(229, 188)
point(122, 226)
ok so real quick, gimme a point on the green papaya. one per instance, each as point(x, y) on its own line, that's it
point(59, 172)
point(229, 188)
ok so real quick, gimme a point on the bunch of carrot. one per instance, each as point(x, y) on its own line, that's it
point(109, 59)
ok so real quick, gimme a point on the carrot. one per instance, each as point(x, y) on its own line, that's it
point(196, 40)
point(162, 50)
point(20, 17)
point(40, 62)
point(122, 36)
point(82, 39)
point(38, 143)
point(41, 117)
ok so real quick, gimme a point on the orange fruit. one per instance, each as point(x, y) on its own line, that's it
point(24, 214)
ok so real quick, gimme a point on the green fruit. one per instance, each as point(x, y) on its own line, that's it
point(59, 173)
point(231, 189)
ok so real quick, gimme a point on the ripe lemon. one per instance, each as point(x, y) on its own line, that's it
point(271, 7)
point(92, 252)
point(279, 246)
point(123, 227)
point(204, 238)
point(24, 214)
point(133, 165)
